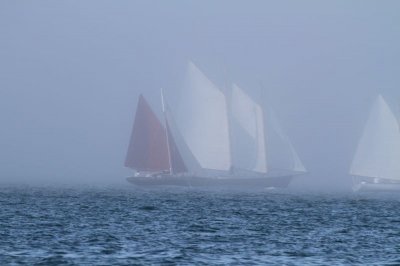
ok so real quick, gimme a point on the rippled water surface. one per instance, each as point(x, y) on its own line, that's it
point(131, 226)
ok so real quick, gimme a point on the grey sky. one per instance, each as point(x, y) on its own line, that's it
point(71, 71)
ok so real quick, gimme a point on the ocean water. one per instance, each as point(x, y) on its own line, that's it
point(125, 226)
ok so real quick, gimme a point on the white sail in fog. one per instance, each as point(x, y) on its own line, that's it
point(281, 154)
point(190, 161)
point(378, 152)
point(203, 121)
point(247, 132)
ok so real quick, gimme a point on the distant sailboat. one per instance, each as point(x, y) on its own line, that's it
point(217, 140)
point(376, 164)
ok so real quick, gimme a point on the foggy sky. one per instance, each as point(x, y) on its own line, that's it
point(71, 72)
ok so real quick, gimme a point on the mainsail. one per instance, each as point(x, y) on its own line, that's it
point(249, 150)
point(203, 121)
point(147, 149)
point(378, 152)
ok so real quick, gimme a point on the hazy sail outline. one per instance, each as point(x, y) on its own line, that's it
point(281, 154)
point(378, 150)
point(249, 115)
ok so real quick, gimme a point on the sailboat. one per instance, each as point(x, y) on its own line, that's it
point(217, 139)
point(376, 164)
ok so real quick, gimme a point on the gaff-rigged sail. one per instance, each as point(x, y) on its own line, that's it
point(203, 121)
point(147, 149)
point(378, 151)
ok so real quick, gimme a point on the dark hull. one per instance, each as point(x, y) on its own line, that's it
point(187, 181)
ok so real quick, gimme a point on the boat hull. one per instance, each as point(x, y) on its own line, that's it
point(369, 184)
point(189, 181)
point(376, 187)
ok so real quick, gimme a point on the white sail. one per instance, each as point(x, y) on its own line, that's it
point(203, 121)
point(378, 152)
point(281, 154)
point(248, 139)
point(187, 156)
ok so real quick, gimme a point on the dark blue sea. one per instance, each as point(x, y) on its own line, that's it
point(127, 226)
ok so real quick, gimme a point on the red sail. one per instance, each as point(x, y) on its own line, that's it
point(148, 145)
point(177, 164)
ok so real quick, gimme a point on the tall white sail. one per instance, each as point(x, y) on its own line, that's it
point(248, 138)
point(203, 121)
point(378, 152)
point(281, 154)
point(190, 161)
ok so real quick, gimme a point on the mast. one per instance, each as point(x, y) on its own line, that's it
point(262, 105)
point(228, 96)
point(166, 131)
